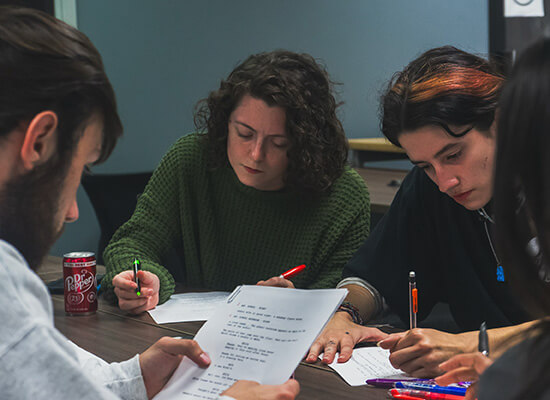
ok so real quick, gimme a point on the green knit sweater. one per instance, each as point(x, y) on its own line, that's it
point(233, 234)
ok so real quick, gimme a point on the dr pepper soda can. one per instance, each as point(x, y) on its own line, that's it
point(79, 275)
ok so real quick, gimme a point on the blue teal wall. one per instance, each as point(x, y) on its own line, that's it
point(164, 55)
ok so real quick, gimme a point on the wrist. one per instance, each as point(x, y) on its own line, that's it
point(352, 311)
point(343, 315)
point(469, 341)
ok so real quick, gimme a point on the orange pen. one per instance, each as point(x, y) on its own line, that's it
point(413, 300)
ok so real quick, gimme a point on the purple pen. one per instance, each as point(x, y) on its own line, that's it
point(390, 383)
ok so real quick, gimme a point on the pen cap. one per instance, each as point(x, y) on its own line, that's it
point(483, 339)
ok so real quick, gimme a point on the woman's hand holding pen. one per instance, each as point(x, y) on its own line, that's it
point(283, 280)
point(125, 290)
point(464, 367)
point(419, 352)
point(277, 281)
point(341, 335)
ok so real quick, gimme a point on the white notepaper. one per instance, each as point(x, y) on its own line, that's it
point(260, 333)
point(523, 8)
point(187, 307)
point(366, 363)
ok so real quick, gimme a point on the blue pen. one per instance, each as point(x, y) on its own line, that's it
point(390, 383)
point(459, 391)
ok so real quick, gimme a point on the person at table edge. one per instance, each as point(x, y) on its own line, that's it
point(523, 145)
point(264, 187)
point(58, 116)
point(441, 109)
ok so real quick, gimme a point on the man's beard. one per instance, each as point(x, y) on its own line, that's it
point(28, 209)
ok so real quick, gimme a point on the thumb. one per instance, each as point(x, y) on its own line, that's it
point(292, 386)
point(390, 341)
point(188, 348)
point(372, 335)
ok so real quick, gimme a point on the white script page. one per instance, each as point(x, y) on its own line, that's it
point(188, 307)
point(366, 363)
point(260, 333)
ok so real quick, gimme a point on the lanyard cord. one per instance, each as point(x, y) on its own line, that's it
point(491, 242)
point(487, 217)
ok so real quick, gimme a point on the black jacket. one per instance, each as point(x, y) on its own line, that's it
point(448, 248)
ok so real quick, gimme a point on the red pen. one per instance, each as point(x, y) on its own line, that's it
point(410, 394)
point(404, 397)
point(292, 272)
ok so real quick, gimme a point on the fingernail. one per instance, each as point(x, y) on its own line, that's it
point(378, 343)
point(204, 357)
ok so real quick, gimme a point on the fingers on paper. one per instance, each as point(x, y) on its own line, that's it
point(330, 349)
point(346, 348)
point(185, 347)
point(314, 351)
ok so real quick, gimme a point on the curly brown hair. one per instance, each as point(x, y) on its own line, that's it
point(318, 148)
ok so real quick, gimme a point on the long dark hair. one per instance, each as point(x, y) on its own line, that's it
point(296, 82)
point(523, 174)
point(445, 86)
point(522, 196)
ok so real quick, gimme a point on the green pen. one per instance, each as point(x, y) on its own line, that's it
point(136, 279)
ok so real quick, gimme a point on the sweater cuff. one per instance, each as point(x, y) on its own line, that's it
point(167, 283)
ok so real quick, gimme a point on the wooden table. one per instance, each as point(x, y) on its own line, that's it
point(383, 184)
point(374, 149)
point(115, 336)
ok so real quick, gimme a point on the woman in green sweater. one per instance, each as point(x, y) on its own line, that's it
point(263, 187)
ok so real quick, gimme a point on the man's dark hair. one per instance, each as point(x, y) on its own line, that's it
point(297, 83)
point(46, 64)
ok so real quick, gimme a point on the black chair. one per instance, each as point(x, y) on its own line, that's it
point(114, 198)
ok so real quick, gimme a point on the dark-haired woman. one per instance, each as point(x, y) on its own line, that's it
point(263, 189)
point(522, 199)
point(441, 109)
